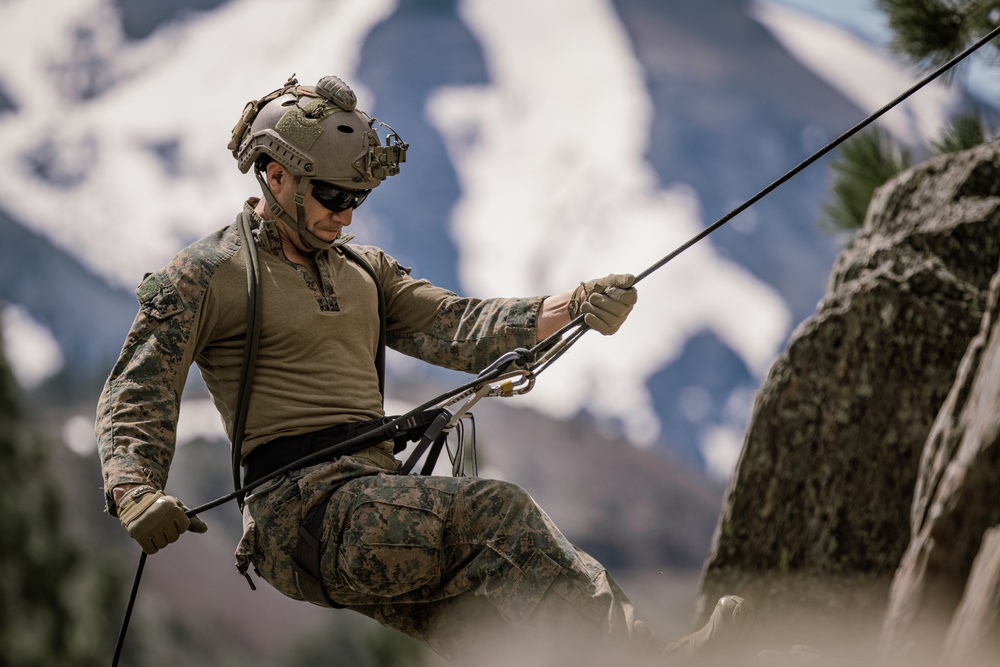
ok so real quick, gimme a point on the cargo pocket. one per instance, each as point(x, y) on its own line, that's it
point(526, 586)
point(392, 540)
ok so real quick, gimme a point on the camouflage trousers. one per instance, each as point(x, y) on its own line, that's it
point(471, 567)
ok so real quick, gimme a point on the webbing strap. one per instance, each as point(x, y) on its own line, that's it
point(254, 309)
point(306, 559)
point(288, 452)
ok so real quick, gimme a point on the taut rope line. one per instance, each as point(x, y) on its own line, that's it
point(823, 151)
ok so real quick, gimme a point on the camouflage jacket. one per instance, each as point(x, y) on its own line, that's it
point(316, 358)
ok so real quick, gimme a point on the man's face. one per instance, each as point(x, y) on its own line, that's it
point(325, 224)
point(320, 221)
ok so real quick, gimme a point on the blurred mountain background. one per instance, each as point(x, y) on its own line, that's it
point(549, 143)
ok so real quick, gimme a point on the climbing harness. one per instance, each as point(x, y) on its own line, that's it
point(429, 424)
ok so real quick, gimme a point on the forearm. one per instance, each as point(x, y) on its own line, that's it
point(466, 334)
point(135, 435)
point(554, 314)
point(138, 408)
point(120, 491)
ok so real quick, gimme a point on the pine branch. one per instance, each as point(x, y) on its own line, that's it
point(865, 163)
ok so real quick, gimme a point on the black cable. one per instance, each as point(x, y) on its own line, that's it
point(821, 152)
point(128, 609)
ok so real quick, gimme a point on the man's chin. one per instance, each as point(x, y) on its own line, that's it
point(326, 235)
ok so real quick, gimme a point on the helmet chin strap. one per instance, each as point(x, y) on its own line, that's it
point(298, 223)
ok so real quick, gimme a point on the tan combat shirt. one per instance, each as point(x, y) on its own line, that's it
point(318, 344)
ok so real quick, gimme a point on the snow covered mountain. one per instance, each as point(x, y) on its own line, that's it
point(550, 143)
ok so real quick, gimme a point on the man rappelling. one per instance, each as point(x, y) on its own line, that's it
point(471, 567)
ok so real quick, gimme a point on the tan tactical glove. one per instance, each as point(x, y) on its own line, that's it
point(604, 302)
point(154, 520)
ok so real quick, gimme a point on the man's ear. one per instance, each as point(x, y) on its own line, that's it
point(277, 176)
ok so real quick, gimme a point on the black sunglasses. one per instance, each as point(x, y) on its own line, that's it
point(336, 199)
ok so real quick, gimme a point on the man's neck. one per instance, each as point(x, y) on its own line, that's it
point(289, 247)
point(295, 254)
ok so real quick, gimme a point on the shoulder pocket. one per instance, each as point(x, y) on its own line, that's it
point(158, 297)
point(399, 269)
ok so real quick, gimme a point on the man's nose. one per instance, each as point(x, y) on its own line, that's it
point(343, 218)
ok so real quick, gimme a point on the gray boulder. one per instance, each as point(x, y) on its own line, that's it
point(845, 443)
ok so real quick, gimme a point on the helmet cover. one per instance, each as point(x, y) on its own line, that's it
point(317, 132)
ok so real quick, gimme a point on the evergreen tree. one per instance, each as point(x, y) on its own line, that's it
point(927, 33)
point(930, 32)
point(865, 163)
point(54, 602)
point(872, 157)
point(964, 132)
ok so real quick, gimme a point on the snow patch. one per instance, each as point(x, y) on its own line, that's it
point(78, 435)
point(721, 447)
point(33, 354)
point(556, 189)
point(861, 71)
point(199, 419)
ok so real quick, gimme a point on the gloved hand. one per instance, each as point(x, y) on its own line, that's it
point(154, 520)
point(604, 302)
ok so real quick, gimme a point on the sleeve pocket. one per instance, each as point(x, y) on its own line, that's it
point(158, 297)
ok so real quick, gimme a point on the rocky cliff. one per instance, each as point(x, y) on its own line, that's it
point(863, 514)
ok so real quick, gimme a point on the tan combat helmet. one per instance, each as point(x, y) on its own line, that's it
point(316, 133)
